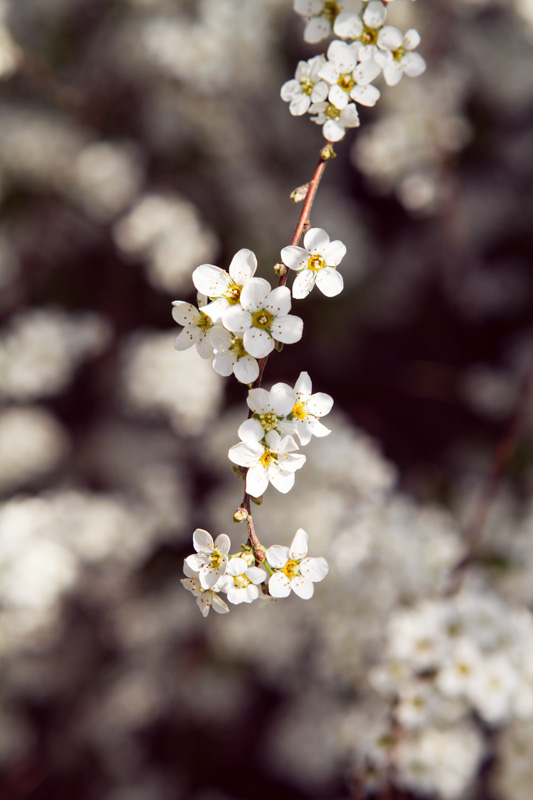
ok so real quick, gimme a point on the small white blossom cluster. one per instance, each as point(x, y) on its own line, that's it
point(330, 86)
point(240, 319)
point(212, 569)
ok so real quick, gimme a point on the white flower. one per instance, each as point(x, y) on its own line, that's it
point(347, 79)
point(211, 558)
point(306, 410)
point(224, 287)
point(306, 87)
point(205, 598)
point(334, 121)
point(263, 318)
point(269, 461)
point(493, 690)
point(396, 57)
point(316, 263)
point(460, 669)
point(320, 15)
point(196, 326)
point(268, 409)
point(296, 572)
point(240, 581)
point(231, 356)
point(365, 32)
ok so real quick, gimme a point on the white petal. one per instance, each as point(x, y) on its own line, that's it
point(333, 131)
point(293, 257)
point(236, 319)
point(375, 14)
point(413, 65)
point(246, 369)
point(256, 575)
point(243, 266)
point(204, 347)
point(291, 90)
point(320, 404)
point(223, 543)
point(308, 8)
point(223, 364)
point(210, 280)
point(279, 301)
point(338, 97)
point(216, 309)
point(258, 401)
point(299, 105)
point(348, 25)
point(316, 240)
point(390, 37)
point(334, 252)
point(303, 385)
point(220, 338)
point(349, 116)
point(411, 40)
point(195, 562)
point(254, 293)
point(303, 587)
point(283, 399)
point(303, 283)
point(330, 282)
point(256, 481)
point(218, 604)
point(329, 73)
point(299, 545)
point(183, 313)
point(316, 29)
point(237, 566)
point(343, 56)
point(365, 95)
point(367, 71)
point(287, 329)
point(202, 541)
point(277, 556)
point(282, 481)
point(258, 343)
point(187, 338)
point(245, 455)
point(315, 569)
point(250, 593)
point(279, 585)
point(317, 428)
point(251, 431)
point(204, 603)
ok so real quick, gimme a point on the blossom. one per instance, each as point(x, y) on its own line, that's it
point(306, 87)
point(334, 121)
point(268, 409)
point(307, 409)
point(347, 79)
point(270, 460)
point(230, 356)
point(293, 570)
point(398, 59)
point(241, 580)
point(263, 318)
point(316, 262)
point(365, 32)
point(320, 16)
point(225, 287)
point(196, 326)
point(205, 598)
point(211, 558)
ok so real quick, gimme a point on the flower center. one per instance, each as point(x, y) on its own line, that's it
point(237, 348)
point(216, 560)
point(330, 11)
point(307, 86)
point(204, 322)
point(369, 36)
point(398, 54)
point(332, 112)
point(241, 582)
point(315, 263)
point(269, 421)
point(233, 293)
point(346, 82)
point(291, 569)
point(262, 319)
point(299, 411)
point(268, 458)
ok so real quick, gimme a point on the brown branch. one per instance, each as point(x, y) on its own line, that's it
point(503, 455)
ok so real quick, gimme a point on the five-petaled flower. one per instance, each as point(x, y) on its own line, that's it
point(196, 327)
point(308, 407)
point(211, 558)
point(241, 581)
point(293, 571)
point(270, 460)
point(306, 87)
point(205, 598)
point(316, 262)
point(224, 288)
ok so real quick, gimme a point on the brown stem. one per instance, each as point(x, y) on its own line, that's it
point(503, 455)
point(326, 154)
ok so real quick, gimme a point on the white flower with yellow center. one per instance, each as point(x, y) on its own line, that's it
point(224, 288)
point(334, 120)
point(306, 87)
point(241, 581)
point(396, 57)
point(196, 327)
point(211, 558)
point(293, 571)
point(316, 262)
point(347, 79)
point(270, 460)
point(269, 410)
point(303, 418)
point(263, 318)
point(205, 598)
point(365, 32)
point(230, 356)
point(320, 15)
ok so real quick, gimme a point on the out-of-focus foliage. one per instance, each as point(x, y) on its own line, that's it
point(138, 139)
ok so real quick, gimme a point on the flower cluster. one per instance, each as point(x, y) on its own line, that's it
point(212, 570)
point(330, 86)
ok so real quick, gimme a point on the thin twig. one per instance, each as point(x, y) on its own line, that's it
point(503, 455)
